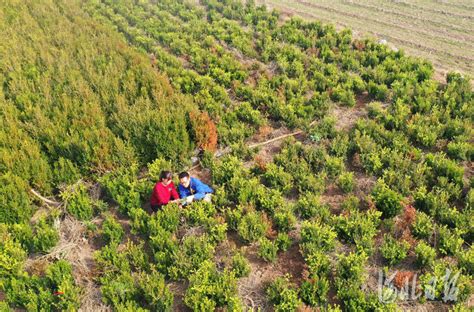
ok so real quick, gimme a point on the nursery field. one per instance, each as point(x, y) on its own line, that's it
point(440, 31)
point(341, 168)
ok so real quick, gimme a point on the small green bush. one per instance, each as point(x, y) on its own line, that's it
point(309, 206)
point(46, 236)
point(78, 202)
point(283, 241)
point(112, 231)
point(317, 236)
point(444, 271)
point(12, 256)
point(345, 182)
point(193, 251)
point(423, 225)
point(466, 260)
point(283, 295)
point(275, 177)
point(168, 217)
point(314, 291)
point(284, 219)
point(425, 254)
point(267, 249)
point(154, 291)
point(393, 250)
point(210, 289)
point(252, 226)
point(450, 241)
point(334, 166)
point(16, 205)
point(359, 228)
point(318, 263)
point(350, 203)
point(386, 200)
point(240, 265)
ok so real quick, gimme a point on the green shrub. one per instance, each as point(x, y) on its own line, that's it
point(122, 187)
point(156, 167)
point(318, 263)
point(425, 254)
point(325, 129)
point(224, 170)
point(196, 214)
point(193, 251)
point(169, 216)
point(78, 203)
point(317, 236)
point(275, 177)
point(309, 206)
point(240, 265)
point(466, 260)
point(460, 150)
point(12, 256)
point(136, 256)
point(165, 248)
point(15, 204)
point(350, 203)
point(433, 283)
point(284, 219)
point(65, 172)
point(154, 292)
point(112, 231)
point(252, 226)
point(445, 167)
point(450, 241)
point(340, 145)
point(345, 182)
point(314, 291)
point(61, 280)
point(210, 289)
point(110, 261)
point(22, 233)
point(386, 200)
point(350, 269)
point(334, 166)
point(45, 235)
point(233, 216)
point(269, 200)
point(377, 91)
point(267, 249)
point(283, 241)
point(216, 229)
point(393, 250)
point(118, 289)
point(310, 183)
point(139, 221)
point(358, 227)
point(343, 96)
point(53, 291)
point(283, 295)
point(423, 225)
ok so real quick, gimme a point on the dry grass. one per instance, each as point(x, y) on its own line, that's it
point(74, 247)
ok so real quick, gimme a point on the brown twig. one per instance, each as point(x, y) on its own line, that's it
point(44, 199)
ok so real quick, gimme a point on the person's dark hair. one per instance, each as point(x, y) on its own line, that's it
point(165, 175)
point(183, 174)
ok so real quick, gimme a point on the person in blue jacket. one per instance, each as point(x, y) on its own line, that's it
point(191, 188)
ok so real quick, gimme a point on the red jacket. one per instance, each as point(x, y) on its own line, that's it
point(162, 194)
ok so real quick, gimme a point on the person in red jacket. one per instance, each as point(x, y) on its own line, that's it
point(164, 192)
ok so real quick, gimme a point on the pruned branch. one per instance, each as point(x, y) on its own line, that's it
point(44, 199)
point(281, 137)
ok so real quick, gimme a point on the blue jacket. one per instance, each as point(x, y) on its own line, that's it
point(196, 188)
